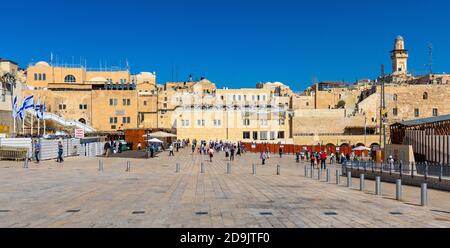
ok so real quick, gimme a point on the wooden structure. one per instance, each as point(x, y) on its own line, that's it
point(429, 137)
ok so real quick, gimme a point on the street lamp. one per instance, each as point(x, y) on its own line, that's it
point(10, 79)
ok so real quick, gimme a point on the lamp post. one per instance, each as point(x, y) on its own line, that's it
point(6, 79)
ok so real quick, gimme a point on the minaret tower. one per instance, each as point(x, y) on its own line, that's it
point(399, 57)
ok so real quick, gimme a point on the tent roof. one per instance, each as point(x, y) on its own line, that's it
point(155, 140)
point(161, 135)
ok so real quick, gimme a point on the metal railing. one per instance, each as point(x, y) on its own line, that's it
point(425, 169)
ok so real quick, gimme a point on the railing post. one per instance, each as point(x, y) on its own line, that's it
point(423, 195)
point(401, 169)
point(312, 172)
point(338, 177)
point(278, 170)
point(441, 172)
point(398, 189)
point(306, 171)
point(349, 179)
point(319, 174)
point(361, 182)
point(378, 185)
point(328, 175)
point(412, 169)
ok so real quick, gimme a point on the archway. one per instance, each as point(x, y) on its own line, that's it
point(330, 148)
point(82, 120)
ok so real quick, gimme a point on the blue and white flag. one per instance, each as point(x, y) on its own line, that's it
point(43, 110)
point(27, 104)
point(14, 115)
point(37, 109)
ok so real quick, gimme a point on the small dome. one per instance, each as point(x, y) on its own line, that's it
point(42, 64)
point(399, 37)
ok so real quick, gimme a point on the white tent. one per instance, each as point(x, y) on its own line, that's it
point(160, 135)
point(361, 148)
point(155, 140)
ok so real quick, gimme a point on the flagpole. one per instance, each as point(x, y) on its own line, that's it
point(39, 126)
point(44, 124)
point(15, 125)
point(23, 123)
point(31, 132)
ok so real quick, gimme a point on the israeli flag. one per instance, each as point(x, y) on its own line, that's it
point(43, 110)
point(27, 104)
point(37, 109)
point(14, 115)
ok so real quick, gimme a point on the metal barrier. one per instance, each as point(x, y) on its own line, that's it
point(13, 153)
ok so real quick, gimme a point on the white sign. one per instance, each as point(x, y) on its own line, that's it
point(79, 133)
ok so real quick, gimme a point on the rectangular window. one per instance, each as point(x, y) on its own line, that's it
point(281, 135)
point(35, 77)
point(246, 135)
point(113, 127)
point(246, 122)
point(416, 112)
point(255, 135)
point(44, 77)
point(395, 112)
point(128, 102)
point(263, 135)
point(111, 120)
point(115, 102)
point(145, 103)
point(111, 102)
point(272, 135)
point(435, 112)
point(124, 119)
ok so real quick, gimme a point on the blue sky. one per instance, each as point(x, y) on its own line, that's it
point(233, 43)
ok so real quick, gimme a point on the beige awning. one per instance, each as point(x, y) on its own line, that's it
point(160, 135)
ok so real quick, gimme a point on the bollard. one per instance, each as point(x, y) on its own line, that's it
point(361, 183)
point(338, 177)
point(278, 170)
point(202, 168)
point(100, 165)
point(424, 195)
point(128, 166)
point(378, 185)
point(178, 168)
point(306, 171)
point(398, 190)
point(228, 168)
point(254, 169)
point(25, 163)
point(349, 179)
point(328, 175)
point(312, 172)
point(319, 174)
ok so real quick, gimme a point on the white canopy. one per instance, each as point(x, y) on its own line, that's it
point(160, 135)
point(155, 140)
point(361, 148)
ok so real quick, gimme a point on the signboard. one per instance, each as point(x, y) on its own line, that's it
point(79, 133)
point(120, 112)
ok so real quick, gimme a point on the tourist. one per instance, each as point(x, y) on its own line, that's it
point(313, 159)
point(263, 158)
point(227, 152)
point(323, 160)
point(60, 153)
point(232, 153)
point(152, 151)
point(211, 154)
point(280, 151)
point(107, 148)
point(332, 158)
point(37, 150)
point(391, 162)
point(139, 146)
point(238, 151)
point(193, 148)
point(297, 157)
point(171, 150)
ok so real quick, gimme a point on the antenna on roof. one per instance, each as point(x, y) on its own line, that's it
point(430, 58)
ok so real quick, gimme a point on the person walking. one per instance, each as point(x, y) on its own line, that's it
point(263, 158)
point(152, 151)
point(280, 151)
point(139, 146)
point(60, 152)
point(107, 149)
point(323, 160)
point(332, 158)
point(297, 157)
point(211, 154)
point(313, 160)
point(193, 148)
point(171, 150)
point(37, 150)
point(232, 153)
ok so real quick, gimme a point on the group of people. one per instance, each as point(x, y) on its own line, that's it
point(111, 147)
point(230, 149)
point(37, 152)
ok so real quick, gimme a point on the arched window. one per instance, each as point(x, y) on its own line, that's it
point(395, 97)
point(70, 79)
point(425, 96)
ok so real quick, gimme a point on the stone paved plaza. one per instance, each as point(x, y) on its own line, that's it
point(153, 195)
